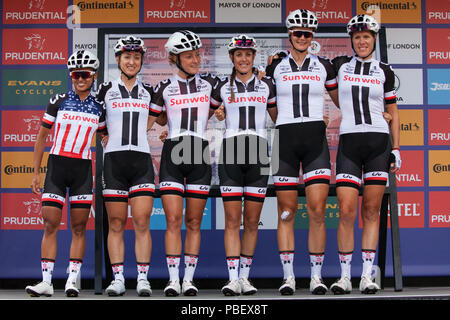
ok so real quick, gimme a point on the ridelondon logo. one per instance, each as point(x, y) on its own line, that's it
point(34, 12)
point(36, 46)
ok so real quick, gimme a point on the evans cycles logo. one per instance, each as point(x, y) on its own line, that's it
point(36, 46)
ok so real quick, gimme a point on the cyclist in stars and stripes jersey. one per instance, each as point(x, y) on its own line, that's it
point(366, 89)
point(128, 175)
point(75, 116)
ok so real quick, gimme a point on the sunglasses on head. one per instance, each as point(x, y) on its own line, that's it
point(300, 33)
point(81, 74)
point(244, 43)
point(132, 47)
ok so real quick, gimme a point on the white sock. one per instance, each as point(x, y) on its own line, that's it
point(316, 260)
point(233, 268)
point(368, 257)
point(245, 264)
point(190, 263)
point(287, 260)
point(142, 269)
point(345, 259)
point(74, 269)
point(173, 264)
point(47, 266)
point(117, 269)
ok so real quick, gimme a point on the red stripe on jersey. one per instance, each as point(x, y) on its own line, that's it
point(285, 183)
point(232, 194)
point(171, 188)
point(53, 200)
point(115, 195)
point(48, 122)
point(376, 178)
point(56, 137)
point(86, 138)
point(390, 98)
point(143, 189)
point(331, 85)
point(76, 138)
point(197, 191)
point(64, 139)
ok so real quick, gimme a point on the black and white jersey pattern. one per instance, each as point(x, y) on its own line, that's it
point(246, 114)
point(364, 88)
point(127, 115)
point(186, 102)
point(300, 89)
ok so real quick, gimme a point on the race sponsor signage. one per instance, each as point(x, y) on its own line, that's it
point(391, 11)
point(439, 168)
point(34, 46)
point(331, 214)
point(34, 12)
point(106, 11)
point(411, 209)
point(255, 11)
point(22, 211)
point(326, 11)
point(404, 45)
point(408, 86)
point(32, 87)
point(438, 86)
point(267, 221)
point(20, 128)
point(411, 127)
point(439, 210)
point(411, 173)
point(18, 170)
point(439, 127)
point(85, 39)
point(438, 11)
point(177, 11)
point(438, 46)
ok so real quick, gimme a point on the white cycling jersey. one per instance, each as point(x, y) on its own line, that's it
point(301, 89)
point(246, 114)
point(364, 88)
point(127, 115)
point(186, 102)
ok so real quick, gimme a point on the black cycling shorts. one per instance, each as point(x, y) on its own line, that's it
point(244, 168)
point(127, 174)
point(300, 143)
point(72, 173)
point(363, 152)
point(185, 168)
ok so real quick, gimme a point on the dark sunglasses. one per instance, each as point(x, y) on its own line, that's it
point(244, 43)
point(300, 33)
point(359, 27)
point(81, 74)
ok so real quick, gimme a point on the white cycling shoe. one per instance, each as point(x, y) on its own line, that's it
point(41, 289)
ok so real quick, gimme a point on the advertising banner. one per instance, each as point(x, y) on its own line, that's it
point(439, 209)
point(326, 11)
point(439, 127)
point(177, 11)
point(391, 11)
point(34, 11)
point(438, 86)
point(17, 169)
point(250, 11)
point(411, 127)
point(439, 168)
point(107, 11)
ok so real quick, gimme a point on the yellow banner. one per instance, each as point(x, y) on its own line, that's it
point(17, 169)
point(411, 127)
point(106, 11)
point(391, 11)
point(439, 168)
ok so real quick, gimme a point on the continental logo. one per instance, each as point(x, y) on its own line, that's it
point(104, 5)
point(439, 168)
point(108, 11)
point(389, 5)
point(12, 169)
point(392, 11)
point(17, 169)
point(411, 127)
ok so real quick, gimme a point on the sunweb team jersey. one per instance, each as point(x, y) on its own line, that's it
point(76, 122)
point(300, 89)
point(127, 115)
point(246, 114)
point(187, 103)
point(364, 88)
